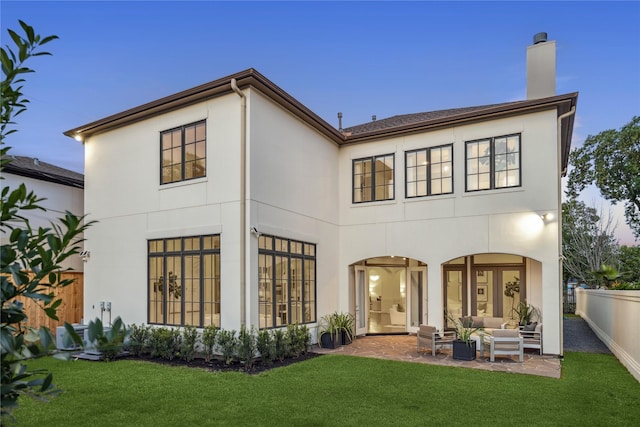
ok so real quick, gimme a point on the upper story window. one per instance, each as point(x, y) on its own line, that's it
point(373, 179)
point(493, 163)
point(183, 153)
point(429, 171)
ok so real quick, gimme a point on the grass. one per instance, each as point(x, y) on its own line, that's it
point(332, 390)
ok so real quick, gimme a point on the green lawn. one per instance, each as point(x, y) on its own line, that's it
point(332, 390)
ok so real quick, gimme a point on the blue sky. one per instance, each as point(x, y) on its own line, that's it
point(360, 58)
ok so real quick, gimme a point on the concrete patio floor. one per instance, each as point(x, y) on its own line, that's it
point(403, 348)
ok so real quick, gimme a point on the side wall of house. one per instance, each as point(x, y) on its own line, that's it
point(437, 229)
point(123, 193)
point(59, 198)
point(293, 187)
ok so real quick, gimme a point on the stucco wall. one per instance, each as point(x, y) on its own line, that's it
point(59, 198)
point(439, 228)
point(614, 316)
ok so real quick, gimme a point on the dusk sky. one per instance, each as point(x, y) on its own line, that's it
point(360, 58)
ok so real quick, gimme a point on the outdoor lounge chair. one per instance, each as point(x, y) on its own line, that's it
point(532, 339)
point(506, 342)
point(429, 337)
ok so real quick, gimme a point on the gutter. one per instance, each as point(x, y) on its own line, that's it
point(560, 172)
point(243, 203)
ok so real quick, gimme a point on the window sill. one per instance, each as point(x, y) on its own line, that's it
point(380, 203)
point(182, 183)
point(428, 198)
point(493, 191)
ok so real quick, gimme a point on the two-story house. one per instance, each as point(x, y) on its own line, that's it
point(233, 204)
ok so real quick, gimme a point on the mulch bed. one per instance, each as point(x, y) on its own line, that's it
point(216, 365)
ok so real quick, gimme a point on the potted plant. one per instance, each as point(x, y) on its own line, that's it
point(526, 313)
point(511, 289)
point(329, 334)
point(464, 347)
point(346, 323)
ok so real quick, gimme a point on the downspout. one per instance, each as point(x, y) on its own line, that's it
point(243, 195)
point(559, 144)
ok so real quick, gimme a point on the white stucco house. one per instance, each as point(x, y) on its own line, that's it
point(232, 203)
point(61, 189)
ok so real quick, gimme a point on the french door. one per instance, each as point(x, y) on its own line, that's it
point(488, 285)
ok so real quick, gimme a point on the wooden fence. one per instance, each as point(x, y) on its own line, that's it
point(71, 309)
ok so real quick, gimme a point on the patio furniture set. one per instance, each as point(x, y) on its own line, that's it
point(492, 333)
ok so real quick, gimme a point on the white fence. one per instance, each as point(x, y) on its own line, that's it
point(614, 316)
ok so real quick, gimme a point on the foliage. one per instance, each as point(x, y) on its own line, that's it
point(209, 341)
point(606, 275)
point(227, 341)
point(587, 241)
point(345, 323)
point(246, 350)
point(281, 343)
point(511, 289)
point(138, 339)
point(299, 339)
point(625, 286)
point(526, 313)
point(188, 343)
point(328, 324)
point(611, 161)
point(108, 341)
point(164, 342)
point(266, 346)
point(463, 328)
point(30, 258)
point(629, 263)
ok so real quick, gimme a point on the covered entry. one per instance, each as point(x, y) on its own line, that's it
point(388, 295)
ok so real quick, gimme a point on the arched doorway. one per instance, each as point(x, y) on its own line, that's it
point(388, 295)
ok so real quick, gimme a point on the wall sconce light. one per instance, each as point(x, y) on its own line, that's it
point(255, 231)
point(374, 277)
point(546, 216)
point(85, 255)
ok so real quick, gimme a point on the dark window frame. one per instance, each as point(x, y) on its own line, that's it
point(294, 250)
point(183, 149)
point(166, 291)
point(373, 186)
point(428, 178)
point(492, 163)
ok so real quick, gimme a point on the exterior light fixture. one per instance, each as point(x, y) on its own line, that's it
point(78, 137)
point(546, 216)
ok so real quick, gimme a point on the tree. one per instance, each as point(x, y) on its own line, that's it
point(611, 161)
point(30, 259)
point(588, 242)
point(629, 263)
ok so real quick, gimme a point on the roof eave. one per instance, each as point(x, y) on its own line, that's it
point(246, 78)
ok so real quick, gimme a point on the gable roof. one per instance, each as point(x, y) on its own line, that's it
point(384, 128)
point(33, 168)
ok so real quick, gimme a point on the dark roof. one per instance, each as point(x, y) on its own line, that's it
point(33, 168)
point(384, 128)
point(408, 119)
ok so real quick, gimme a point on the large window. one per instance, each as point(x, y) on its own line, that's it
point(287, 282)
point(183, 153)
point(493, 163)
point(429, 171)
point(373, 179)
point(184, 281)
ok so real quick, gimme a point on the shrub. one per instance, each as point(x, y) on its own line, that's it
point(299, 340)
point(227, 342)
point(188, 343)
point(138, 339)
point(164, 342)
point(281, 341)
point(109, 342)
point(209, 341)
point(266, 346)
point(246, 346)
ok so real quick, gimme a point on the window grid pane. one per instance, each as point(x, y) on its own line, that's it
point(429, 171)
point(493, 163)
point(183, 153)
point(286, 283)
point(184, 281)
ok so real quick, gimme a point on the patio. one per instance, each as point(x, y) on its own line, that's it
point(403, 348)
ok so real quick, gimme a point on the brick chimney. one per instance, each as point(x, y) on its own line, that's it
point(541, 67)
